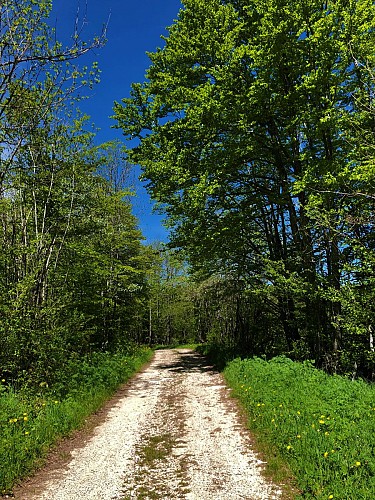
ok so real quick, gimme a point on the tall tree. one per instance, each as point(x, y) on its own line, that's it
point(72, 271)
point(245, 128)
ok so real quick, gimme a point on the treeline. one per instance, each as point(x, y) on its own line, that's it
point(72, 266)
point(256, 135)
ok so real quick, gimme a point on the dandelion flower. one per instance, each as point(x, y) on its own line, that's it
point(298, 436)
point(288, 447)
point(330, 497)
point(25, 419)
point(321, 421)
point(357, 464)
point(325, 454)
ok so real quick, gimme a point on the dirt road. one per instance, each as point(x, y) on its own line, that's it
point(174, 434)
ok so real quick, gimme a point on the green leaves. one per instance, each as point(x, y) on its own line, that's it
point(255, 134)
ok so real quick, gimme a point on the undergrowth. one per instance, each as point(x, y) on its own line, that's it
point(322, 426)
point(32, 421)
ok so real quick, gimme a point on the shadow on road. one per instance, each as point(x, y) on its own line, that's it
point(188, 361)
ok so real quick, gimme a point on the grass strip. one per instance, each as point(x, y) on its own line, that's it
point(30, 423)
point(322, 426)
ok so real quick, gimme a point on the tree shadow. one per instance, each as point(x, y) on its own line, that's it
point(188, 362)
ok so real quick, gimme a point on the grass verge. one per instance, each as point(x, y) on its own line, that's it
point(322, 426)
point(30, 423)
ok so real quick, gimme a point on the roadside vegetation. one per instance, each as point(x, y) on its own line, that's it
point(321, 426)
point(32, 421)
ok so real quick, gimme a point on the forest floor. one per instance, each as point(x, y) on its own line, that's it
point(172, 432)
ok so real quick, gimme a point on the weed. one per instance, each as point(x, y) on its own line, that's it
point(156, 448)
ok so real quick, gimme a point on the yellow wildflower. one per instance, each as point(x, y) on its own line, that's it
point(357, 464)
point(325, 454)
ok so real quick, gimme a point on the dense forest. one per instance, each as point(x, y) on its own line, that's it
point(255, 131)
point(72, 267)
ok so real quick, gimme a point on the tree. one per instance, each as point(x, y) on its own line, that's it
point(36, 72)
point(72, 269)
point(171, 315)
point(246, 137)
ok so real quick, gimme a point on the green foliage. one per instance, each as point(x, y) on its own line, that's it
point(255, 129)
point(72, 269)
point(321, 425)
point(171, 315)
point(30, 423)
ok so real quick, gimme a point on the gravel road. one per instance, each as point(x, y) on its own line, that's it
point(174, 434)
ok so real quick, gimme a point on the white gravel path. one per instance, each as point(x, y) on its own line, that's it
point(175, 435)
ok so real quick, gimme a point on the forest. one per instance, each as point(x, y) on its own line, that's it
point(255, 132)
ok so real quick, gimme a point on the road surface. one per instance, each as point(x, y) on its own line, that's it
point(174, 433)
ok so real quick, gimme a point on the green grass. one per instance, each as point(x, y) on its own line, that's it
point(322, 426)
point(193, 346)
point(30, 422)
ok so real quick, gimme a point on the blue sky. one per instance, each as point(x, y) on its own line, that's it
point(133, 29)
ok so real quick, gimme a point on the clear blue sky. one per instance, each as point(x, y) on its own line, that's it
point(134, 28)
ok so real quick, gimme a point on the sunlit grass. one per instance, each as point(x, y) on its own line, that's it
point(322, 426)
point(31, 423)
